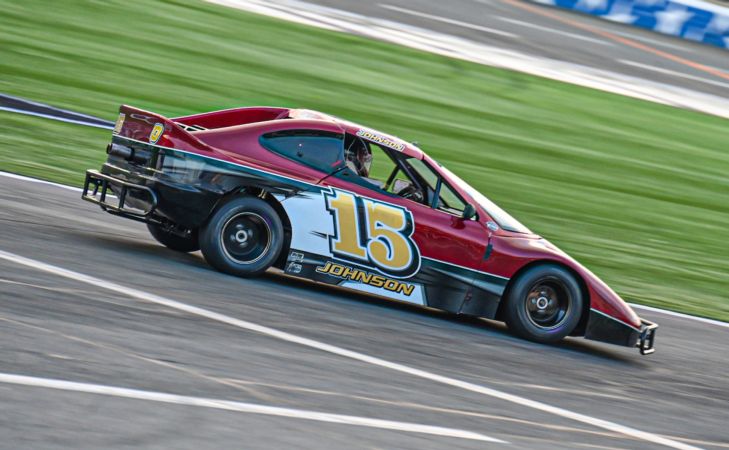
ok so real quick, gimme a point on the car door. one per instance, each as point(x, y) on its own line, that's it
point(428, 247)
point(456, 246)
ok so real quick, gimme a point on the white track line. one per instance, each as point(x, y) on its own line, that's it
point(683, 48)
point(15, 176)
point(60, 119)
point(458, 23)
point(673, 73)
point(681, 315)
point(552, 30)
point(242, 407)
point(43, 105)
point(288, 337)
point(634, 305)
point(480, 53)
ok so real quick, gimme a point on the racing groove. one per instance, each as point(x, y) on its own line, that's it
point(58, 328)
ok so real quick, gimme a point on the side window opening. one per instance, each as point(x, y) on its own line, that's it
point(449, 201)
point(381, 168)
point(440, 195)
point(393, 172)
point(321, 150)
point(368, 160)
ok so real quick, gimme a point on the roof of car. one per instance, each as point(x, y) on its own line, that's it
point(369, 134)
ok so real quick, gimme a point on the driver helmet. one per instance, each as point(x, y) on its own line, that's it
point(358, 158)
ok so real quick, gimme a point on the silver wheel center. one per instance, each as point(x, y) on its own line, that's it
point(246, 238)
point(548, 303)
point(241, 236)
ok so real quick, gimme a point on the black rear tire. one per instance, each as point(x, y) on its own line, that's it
point(243, 237)
point(544, 304)
point(174, 241)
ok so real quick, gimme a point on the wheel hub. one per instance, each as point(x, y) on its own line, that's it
point(547, 304)
point(246, 237)
point(241, 236)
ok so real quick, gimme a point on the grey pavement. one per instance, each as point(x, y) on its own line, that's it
point(58, 328)
point(561, 35)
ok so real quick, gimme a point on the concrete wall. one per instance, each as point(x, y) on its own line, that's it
point(689, 19)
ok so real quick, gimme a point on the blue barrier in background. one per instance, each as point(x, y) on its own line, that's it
point(689, 19)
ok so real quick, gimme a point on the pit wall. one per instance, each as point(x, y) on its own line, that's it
point(694, 20)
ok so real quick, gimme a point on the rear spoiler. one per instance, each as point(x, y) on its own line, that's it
point(148, 127)
point(232, 117)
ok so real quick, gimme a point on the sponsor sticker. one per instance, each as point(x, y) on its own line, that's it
point(380, 139)
point(156, 133)
point(296, 257)
point(360, 276)
point(294, 268)
point(119, 123)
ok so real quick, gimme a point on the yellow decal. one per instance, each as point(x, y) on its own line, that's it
point(347, 239)
point(387, 246)
point(119, 123)
point(380, 139)
point(373, 232)
point(378, 281)
point(156, 133)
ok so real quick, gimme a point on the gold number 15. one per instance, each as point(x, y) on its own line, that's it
point(380, 235)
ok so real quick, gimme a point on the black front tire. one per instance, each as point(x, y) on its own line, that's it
point(243, 237)
point(544, 304)
point(173, 241)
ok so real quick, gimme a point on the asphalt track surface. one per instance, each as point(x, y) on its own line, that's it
point(53, 327)
point(562, 35)
point(56, 329)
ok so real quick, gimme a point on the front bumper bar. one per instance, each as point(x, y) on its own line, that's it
point(646, 339)
point(605, 328)
point(99, 184)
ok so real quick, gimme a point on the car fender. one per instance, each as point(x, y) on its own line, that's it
point(512, 254)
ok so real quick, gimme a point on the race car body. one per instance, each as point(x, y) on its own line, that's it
point(334, 202)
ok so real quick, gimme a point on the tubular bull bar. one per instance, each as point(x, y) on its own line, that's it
point(647, 337)
point(99, 183)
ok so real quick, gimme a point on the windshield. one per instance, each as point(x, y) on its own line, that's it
point(501, 217)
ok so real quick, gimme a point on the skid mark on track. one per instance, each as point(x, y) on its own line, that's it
point(357, 356)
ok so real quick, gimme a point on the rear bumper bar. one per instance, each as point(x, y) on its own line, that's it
point(646, 339)
point(96, 190)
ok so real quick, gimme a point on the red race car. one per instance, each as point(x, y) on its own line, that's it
point(335, 202)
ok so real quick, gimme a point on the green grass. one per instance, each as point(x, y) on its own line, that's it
point(47, 149)
point(636, 191)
